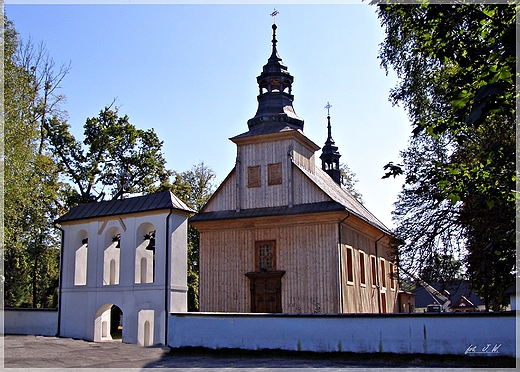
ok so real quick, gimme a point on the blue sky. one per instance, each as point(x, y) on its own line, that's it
point(189, 71)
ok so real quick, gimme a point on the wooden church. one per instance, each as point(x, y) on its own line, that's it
point(281, 234)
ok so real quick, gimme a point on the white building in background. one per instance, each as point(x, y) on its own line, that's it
point(123, 268)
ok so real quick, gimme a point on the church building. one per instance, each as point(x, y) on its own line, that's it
point(280, 234)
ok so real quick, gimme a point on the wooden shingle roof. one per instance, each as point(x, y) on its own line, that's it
point(342, 196)
point(145, 203)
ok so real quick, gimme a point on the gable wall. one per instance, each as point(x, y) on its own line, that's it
point(294, 189)
point(225, 198)
point(262, 154)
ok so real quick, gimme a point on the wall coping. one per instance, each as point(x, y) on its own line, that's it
point(29, 309)
point(352, 315)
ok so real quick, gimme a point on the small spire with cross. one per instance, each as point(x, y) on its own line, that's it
point(274, 14)
point(328, 106)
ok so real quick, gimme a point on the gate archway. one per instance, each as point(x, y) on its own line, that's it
point(108, 323)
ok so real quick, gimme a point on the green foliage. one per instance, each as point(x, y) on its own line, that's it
point(456, 66)
point(348, 180)
point(31, 184)
point(119, 159)
point(48, 171)
point(441, 268)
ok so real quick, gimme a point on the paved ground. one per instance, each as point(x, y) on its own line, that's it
point(30, 352)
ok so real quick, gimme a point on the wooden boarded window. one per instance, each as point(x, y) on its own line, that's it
point(253, 176)
point(383, 302)
point(392, 276)
point(274, 174)
point(350, 269)
point(383, 273)
point(374, 270)
point(362, 278)
point(265, 252)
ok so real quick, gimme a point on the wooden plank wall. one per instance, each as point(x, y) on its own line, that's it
point(267, 196)
point(307, 252)
point(303, 156)
point(359, 298)
point(225, 199)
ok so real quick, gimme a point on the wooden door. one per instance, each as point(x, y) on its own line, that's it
point(266, 291)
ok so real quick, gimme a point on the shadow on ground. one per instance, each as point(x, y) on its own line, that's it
point(189, 357)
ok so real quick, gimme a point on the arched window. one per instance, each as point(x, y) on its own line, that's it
point(112, 272)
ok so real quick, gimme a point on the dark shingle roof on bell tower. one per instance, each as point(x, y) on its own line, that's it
point(275, 111)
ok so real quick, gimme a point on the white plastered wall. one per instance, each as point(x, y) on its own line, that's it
point(179, 266)
point(82, 307)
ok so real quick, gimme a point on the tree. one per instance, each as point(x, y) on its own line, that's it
point(456, 65)
point(119, 159)
point(47, 171)
point(31, 187)
point(348, 180)
point(194, 187)
point(424, 219)
point(441, 269)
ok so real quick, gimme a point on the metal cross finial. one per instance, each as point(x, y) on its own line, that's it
point(328, 108)
point(274, 14)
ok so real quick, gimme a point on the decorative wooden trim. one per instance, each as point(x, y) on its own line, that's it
point(270, 274)
point(298, 136)
point(107, 219)
point(269, 221)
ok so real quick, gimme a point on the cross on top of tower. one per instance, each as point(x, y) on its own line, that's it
point(328, 106)
point(274, 14)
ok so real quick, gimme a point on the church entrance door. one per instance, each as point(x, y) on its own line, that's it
point(266, 291)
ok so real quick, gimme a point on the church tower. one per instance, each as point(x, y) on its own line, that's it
point(330, 154)
point(274, 140)
point(275, 109)
point(280, 234)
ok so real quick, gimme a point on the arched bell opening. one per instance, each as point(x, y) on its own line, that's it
point(112, 257)
point(145, 254)
point(80, 258)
